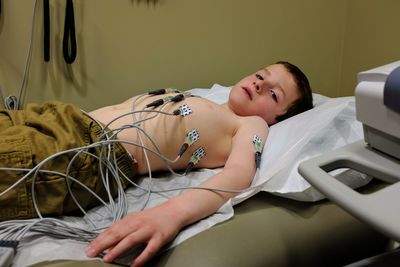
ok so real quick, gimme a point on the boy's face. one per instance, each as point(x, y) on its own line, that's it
point(267, 93)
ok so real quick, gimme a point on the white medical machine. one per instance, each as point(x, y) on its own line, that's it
point(377, 98)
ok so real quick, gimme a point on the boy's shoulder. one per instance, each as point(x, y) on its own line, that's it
point(253, 122)
point(251, 127)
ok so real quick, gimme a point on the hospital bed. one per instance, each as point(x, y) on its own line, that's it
point(281, 221)
point(268, 230)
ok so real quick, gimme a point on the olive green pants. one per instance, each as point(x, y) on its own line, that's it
point(28, 137)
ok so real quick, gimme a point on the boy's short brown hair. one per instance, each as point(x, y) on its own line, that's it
point(305, 101)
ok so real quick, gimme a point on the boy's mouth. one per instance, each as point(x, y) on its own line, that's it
point(248, 92)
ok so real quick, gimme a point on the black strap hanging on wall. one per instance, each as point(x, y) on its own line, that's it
point(46, 24)
point(69, 34)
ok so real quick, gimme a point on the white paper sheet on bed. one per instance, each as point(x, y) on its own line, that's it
point(329, 125)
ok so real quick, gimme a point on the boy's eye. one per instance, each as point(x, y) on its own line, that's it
point(259, 77)
point(274, 96)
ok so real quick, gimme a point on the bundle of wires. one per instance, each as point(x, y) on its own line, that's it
point(16, 229)
point(117, 207)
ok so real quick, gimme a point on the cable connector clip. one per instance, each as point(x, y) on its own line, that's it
point(258, 146)
point(162, 91)
point(196, 157)
point(155, 103)
point(183, 110)
point(7, 251)
point(190, 139)
point(174, 98)
point(178, 97)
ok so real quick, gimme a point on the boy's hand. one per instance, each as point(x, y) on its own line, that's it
point(152, 227)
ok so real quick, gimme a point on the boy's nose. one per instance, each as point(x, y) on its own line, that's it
point(257, 85)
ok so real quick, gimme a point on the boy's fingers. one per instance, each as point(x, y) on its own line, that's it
point(151, 249)
point(126, 244)
point(107, 239)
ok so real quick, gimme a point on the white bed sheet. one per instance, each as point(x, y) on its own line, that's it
point(329, 125)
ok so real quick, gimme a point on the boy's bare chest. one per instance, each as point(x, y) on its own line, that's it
point(202, 125)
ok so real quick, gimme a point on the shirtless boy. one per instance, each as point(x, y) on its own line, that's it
point(225, 133)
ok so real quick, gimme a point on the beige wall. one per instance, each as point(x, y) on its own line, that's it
point(128, 46)
point(371, 38)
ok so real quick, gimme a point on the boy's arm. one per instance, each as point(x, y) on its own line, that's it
point(237, 174)
point(159, 225)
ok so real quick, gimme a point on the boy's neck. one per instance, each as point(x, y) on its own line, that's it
point(226, 106)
